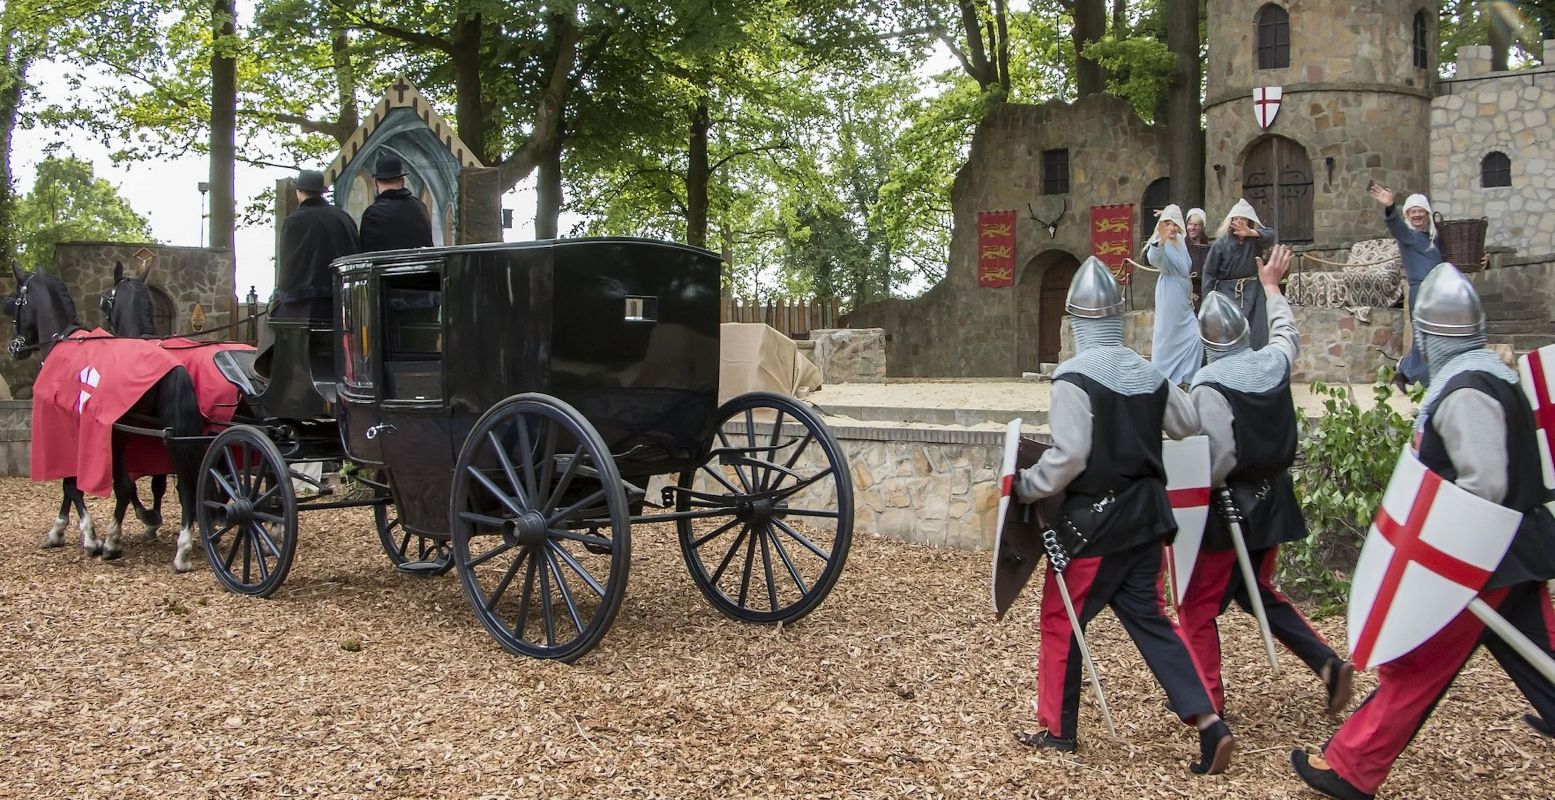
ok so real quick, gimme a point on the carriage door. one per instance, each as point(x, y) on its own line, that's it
point(358, 378)
point(416, 440)
point(1277, 181)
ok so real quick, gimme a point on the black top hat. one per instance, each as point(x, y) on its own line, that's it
point(389, 167)
point(309, 180)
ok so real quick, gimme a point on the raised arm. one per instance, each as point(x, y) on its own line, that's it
point(1283, 335)
point(1070, 421)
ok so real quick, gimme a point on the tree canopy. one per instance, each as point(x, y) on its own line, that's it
point(70, 204)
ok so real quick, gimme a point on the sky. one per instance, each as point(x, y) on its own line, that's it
point(166, 192)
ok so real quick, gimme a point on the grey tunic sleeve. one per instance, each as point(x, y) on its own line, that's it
point(1473, 428)
point(1182, 419)
point(1215, 423)
point(1069, 419)
point(1283, 335)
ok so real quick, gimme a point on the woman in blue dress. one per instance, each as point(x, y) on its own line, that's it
point(1419, 248)
point(1176, 350)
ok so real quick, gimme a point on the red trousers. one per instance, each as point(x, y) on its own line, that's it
point(1217, 580)
point(1364, 748)
point(1129, 582)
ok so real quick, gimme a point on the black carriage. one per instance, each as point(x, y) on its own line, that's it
point(515, 405)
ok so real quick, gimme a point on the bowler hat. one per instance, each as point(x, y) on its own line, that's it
point(389, 167)
point(309, 180)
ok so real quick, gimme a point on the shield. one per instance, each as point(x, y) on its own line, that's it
point(1017, 548)
point(1187, 486)
point(1538, 374)
point(1266, 103)
point(1431, 548)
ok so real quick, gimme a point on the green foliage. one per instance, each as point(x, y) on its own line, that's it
point(69, 204)
point(1344, 465)
point(1139, 68)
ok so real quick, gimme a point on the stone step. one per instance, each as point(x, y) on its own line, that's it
point(1517, 326)
point(1522, 342)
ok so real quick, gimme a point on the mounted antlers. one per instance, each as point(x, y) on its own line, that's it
point(1052, 227)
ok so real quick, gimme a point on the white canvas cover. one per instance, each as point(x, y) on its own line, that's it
point(1429, 552)
point(1187, 486)
point(757, 357)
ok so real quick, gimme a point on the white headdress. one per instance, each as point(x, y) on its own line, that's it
point(1242, 209)
point(1419, 201)
point(1169, 214)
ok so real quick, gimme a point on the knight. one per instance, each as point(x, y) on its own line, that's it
point(1246, 411)
point(1109, 408)
point(1474, 428)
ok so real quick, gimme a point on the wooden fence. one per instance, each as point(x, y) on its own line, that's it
point(795, 318)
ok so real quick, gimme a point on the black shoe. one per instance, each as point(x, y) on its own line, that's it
point(1041, 739)
point(1537, 723)
point(1215, 746)
point(1340, 683)
point(1325, 781)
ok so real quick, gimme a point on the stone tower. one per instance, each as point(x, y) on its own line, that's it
point(1356, 79)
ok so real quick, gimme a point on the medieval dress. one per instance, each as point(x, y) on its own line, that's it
point(1175, 350)
point(1245, 410)
point(1231, 268)
point(1421, 252)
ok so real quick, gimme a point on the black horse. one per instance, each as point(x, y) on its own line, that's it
point(45, 314)
point(127, 311)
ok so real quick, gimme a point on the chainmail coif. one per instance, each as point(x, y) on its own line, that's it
point(1240, 368)
point(1449, 356)
point(1101, 356)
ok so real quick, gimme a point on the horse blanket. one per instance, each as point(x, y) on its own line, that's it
point(90, 380)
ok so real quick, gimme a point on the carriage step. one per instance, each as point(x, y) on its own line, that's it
point(425, 569)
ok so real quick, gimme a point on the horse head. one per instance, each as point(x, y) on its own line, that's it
point(43, 312)
point(126, 306)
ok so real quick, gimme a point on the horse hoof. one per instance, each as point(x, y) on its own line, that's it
point(110, 555)
point(149, 537)
point(50, 544)
point(94, 551)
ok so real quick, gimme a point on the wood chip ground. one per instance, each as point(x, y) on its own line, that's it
point(122, 679)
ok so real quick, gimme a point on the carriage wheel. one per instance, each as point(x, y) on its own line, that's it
point(780, 511)
point(404, 546)
point(247, 511)
point(541, 531)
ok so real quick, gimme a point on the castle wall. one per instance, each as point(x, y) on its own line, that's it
point(1480, 112)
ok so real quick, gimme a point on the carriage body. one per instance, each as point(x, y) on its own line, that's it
point(623, 330)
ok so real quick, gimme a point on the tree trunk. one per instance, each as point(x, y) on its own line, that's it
point(1090, 24)
point(553, 105)
point(1185, 139)
point(548, 204)
point(1500, 38)
point(1003, 45)
point(13, 73)
point(1119, 16)
point(985, 73)
point(224, 110)
point(349, 118)
point(697, 175)
point(469, 109)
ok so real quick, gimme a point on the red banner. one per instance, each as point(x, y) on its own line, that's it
point(1112, 238)
point(995, 249)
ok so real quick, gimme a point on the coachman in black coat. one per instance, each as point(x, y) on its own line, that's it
point(397, 219)
point(311, 237)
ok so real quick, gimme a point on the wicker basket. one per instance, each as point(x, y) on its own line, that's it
point(1463, 241)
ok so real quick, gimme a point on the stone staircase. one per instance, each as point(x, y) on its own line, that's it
point(1523, 323)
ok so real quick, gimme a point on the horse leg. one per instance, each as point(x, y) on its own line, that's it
point(178, 409)
point(123, 491)
point(78, 498)
point(56, 535)
point(151, 517)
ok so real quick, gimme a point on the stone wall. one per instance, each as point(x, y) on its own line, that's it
point(849, 355)
point(1352, 98)
point(188, 275)
point(1480, 112)
point(957, 328)
point(15, 437)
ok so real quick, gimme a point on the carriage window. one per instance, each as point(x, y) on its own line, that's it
point(413, 336)
point(355, 319)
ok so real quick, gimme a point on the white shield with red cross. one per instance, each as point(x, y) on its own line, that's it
point(1266, 103)
point(1431, 549)
point(1538, 375)
point(1187, 486)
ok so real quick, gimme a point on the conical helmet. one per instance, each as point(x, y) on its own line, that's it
point(1221, 324)
point(1447, 304)
point(1094, 294)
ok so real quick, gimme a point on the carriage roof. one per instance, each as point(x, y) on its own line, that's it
point(393, 258)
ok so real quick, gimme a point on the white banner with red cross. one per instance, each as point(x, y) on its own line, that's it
point(1431, 549)
point(1266, 104)
point(1187, 486)
point(1538, 375)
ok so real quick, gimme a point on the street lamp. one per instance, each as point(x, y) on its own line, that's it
point(204, 187)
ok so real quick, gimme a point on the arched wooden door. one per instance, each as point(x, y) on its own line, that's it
point(1055, 287)
point(1277, 181)
point(164, 312)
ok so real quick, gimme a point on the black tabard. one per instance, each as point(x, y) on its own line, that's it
point(1532, 554)
point(1264, 425)
point(1120, 500)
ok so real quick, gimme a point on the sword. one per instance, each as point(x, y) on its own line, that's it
point(1085, 652)
point(1532, 653)
point(1249, 578)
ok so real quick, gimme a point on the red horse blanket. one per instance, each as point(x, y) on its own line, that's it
point(88, 383)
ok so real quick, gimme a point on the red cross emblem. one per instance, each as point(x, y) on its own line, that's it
point(1536, 385)
point(1187, 489)
point(1266, 103)
point(1420, 568)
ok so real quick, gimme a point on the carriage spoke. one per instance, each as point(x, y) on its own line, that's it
point(232, 469)
point(777, 433)
point(777, 544)
point(585, 538)
point(482, 519)
point(262, 536)
point(798, 451)
point(729, 556)
point(527, 448)
point(269, 495)
point(561, 587)
point(579, 568)
point(750, 440)
point(724, 439)
point(270, 518)
point(766, 562)
point(587, 502)
point(507, 469)
point(565, 482)
point(750, 560)
point(809, 545)
point(547, 464)
point(493, 553)
point(546, 615)
point(808, 512)
point(225, 487)
point(261, 562)
point(717, 476)
point(495, 492)
point(502, 586)
point(223, 532)
point(248, 556)
point(522, 621)
point(232, 550)
point(697, 545)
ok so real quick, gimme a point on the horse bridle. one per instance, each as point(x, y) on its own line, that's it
point(18, 345)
